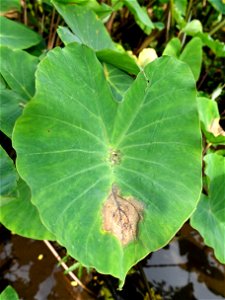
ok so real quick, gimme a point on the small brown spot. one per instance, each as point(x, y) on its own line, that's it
point(114, 157)
point(121, 216)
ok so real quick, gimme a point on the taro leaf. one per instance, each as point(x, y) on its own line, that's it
point(67, 36)
point(209, 217)
point(17, 68)
point(209, 117)
point(192, 55)
point(102, 10)
point(16, 35)
point(8, 174)
point(181, 6)
point(193, 27)
point(90, 31)
point(18, 214)
point(118, 81)
point(9, 294)
point(11, 107)
point(216, 46)
point(173, 48)
point(9, 5)
point(79, 150)
point(119, 59)
point(140, 15)
point(218, 5)
point(85, 25)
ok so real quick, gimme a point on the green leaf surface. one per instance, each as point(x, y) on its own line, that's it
point(11, 107)
point(82, 152)
point(85, 24)
point(18, 214)
point(9, 294)
point(209, 117)
point(181, 6)
point(8, 174)
point(9, 5)
point(218, 5)
point(67, 36)
point(102, 10)
point(17, 68)
point(2, 83)
point(16, 35)
point(209, 217)
point(216, 46)
point(193, 27)
point(173, 48)
point(192, 55)
point(118, 58)
point(140, 14)
point(118, 81)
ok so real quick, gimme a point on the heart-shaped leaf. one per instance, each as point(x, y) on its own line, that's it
point(112, 180)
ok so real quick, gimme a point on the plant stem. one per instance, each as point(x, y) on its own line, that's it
point(168, 23)
point(146, 282)
point(217, 27)
point(189, 10)
point(65, 267)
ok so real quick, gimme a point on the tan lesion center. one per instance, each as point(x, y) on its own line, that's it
point(121, 216)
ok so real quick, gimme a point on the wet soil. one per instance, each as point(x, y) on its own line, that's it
point(185, 269)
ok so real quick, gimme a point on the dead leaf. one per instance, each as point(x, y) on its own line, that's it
point(121, 216)
point(215, 128)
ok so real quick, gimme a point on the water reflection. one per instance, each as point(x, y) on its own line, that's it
point(186, 269)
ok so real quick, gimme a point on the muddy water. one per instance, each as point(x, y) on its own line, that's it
point(185, 269)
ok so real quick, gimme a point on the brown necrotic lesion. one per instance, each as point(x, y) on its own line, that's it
point(121, 216)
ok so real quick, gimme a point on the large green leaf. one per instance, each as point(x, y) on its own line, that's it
point(16, 35)
point(209, 217)
point(17, 68)
point(9, 294)
point(113, 181)
point(18, 214)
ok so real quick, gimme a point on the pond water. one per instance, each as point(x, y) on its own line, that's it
point(185, 269)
